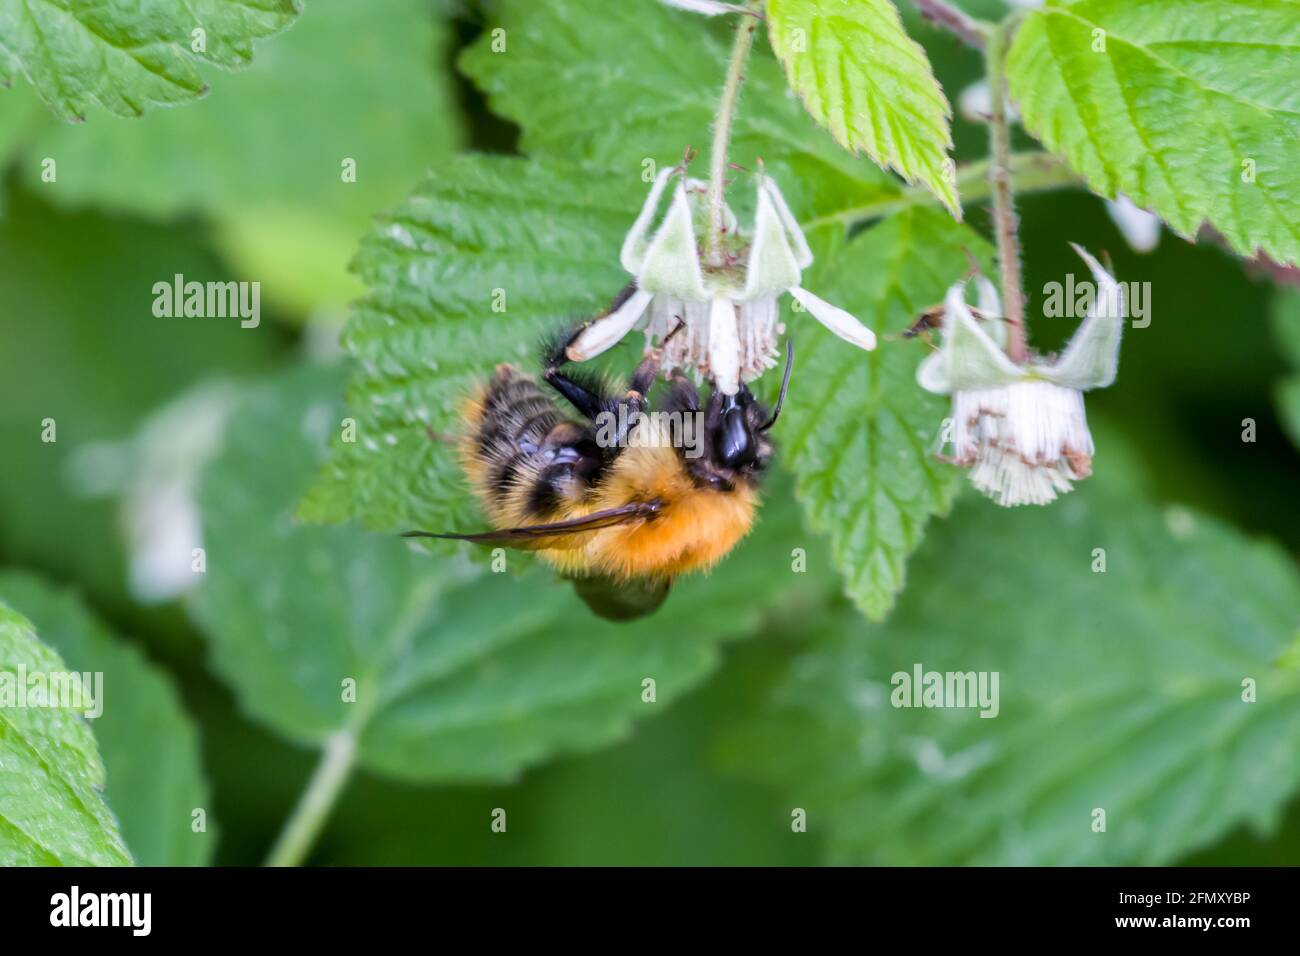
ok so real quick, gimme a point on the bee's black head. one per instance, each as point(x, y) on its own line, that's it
point(736, 438)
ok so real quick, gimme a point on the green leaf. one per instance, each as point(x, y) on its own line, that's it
point(93, 380)
point(264, 158)
point(52, 812)
point(547, 236)
point(149, 745)
point(860, 433)
point(866, 81)
point(623, 806)
point(460, 674)
point(1286, 321)
point(1191, 109)
point(1288, 398)
point(1121, 691)
point(614, 85)
point(128, 55)
point(20, 112)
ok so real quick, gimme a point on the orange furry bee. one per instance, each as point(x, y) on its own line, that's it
point(628, 497)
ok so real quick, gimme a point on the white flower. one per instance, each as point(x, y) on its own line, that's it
point(1021, 429)
point(1141, 229)
point(156, 473)
point(710, 8)
point(975, 103)
point(729, 309)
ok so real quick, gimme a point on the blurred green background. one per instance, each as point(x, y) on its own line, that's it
point(245, 184)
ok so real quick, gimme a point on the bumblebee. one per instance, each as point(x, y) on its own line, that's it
point(625, 497)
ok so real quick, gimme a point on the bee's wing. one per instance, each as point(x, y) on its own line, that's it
point(540, 536)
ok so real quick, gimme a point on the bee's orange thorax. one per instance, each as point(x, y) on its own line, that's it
point(695, 529)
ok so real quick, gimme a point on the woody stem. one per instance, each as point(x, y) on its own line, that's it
point(1006, 223)
point(947, 17)
point(722, 134)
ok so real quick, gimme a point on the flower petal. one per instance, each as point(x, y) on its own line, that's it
point(772, 267)
point(990, 306)
point(724, 346)
point(710, 8)
point(1141, 229)
point(632, 255)
point(1024, 443)
point(932, 374)
point(975, 103)
point(836, 319)
point(672, 263)
point(608, 329)
point(803, 255)
point(972, 359)
point(986, 294)
point(1091, 358)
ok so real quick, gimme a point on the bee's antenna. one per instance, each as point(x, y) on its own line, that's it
point(785, 384)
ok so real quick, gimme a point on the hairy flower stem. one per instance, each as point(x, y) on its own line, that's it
point(745, 31)
point(1006, 224)
point(314, 806)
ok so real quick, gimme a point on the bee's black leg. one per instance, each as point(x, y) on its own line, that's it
point(586, 395)
point(583, 392)
point(581, 395)
point(594, 404)
point(643, 377)
point(645, 374)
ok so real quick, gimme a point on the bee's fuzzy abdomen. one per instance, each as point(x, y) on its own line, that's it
point(502, 476)
point(546, 496)
point(514, 448)
point(525, 422)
